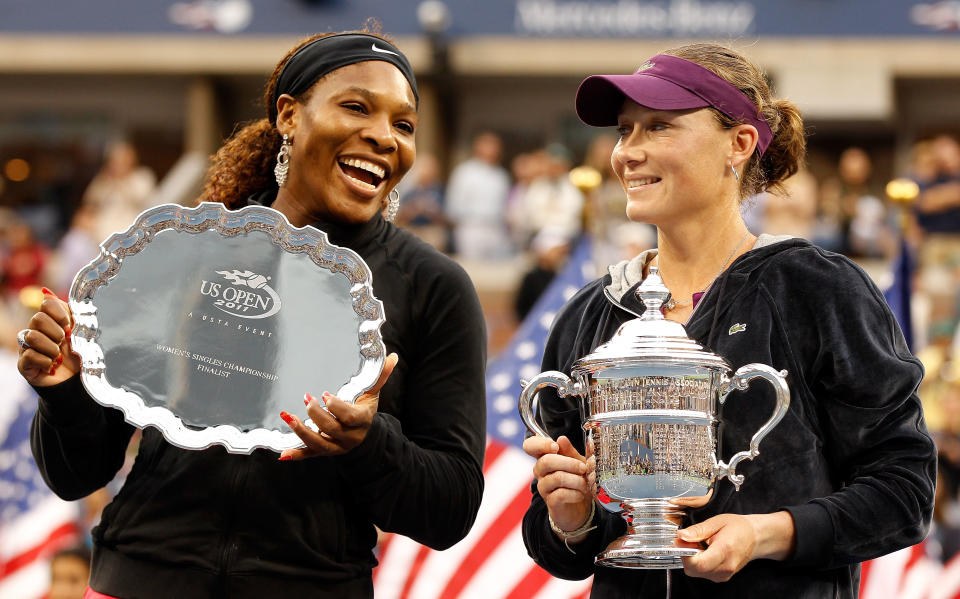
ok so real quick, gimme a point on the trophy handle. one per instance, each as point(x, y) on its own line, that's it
point(740, 381)
point(565, 387)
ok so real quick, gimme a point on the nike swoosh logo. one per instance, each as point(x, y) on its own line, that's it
point(382, 51)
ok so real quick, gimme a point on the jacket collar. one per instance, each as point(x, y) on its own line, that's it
point(627, 276)
point(354, 236)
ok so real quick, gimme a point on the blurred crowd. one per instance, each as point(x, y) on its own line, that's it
point(36, 251)
point(547, 199)
point(531, 208)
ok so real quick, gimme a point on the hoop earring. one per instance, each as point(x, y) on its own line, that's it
point(735, 173)
point(283, 158)
point(393, 205)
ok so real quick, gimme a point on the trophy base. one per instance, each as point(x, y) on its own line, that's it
point(643, 558)
point(651, 539)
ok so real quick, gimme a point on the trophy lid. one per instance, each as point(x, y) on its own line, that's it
point(650, 338)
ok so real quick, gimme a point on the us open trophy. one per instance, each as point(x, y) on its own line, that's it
point(649, 406)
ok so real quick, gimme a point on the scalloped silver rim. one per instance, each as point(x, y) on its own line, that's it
point(205, 217)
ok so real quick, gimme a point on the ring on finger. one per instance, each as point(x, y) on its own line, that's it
point(22, 339)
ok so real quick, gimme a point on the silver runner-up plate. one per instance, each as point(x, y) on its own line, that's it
point(206, 323)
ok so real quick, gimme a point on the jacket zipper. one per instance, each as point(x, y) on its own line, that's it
point(228, 547)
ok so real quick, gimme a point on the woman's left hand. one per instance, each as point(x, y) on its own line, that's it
point(342, 426)
point(733, 540)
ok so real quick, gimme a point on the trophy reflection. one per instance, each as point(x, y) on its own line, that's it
point(649, 401)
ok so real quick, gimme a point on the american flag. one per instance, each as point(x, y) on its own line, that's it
point(491, 562)
point(899, 292)
point(34, 523)
point(910, 574)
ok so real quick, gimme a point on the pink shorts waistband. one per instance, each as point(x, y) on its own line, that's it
point(92, 594)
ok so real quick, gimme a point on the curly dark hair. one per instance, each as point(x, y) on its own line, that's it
point(243, 166)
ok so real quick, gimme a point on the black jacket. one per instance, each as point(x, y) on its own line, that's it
point(851, 461)
point(198, 524)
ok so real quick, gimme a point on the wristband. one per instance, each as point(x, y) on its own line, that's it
point(566, 535)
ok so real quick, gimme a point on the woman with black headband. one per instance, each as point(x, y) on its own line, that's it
point(406, 457)
point(848, 474)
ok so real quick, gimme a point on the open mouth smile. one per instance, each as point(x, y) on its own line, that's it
point(641, 182)
point(363, 173)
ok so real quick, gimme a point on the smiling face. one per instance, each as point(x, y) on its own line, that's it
point(673, 164)
point(353, 140)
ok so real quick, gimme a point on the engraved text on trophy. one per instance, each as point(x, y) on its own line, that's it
point(651, 457)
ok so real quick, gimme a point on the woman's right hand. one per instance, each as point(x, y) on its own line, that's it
point(49, 358)
point(565, 480)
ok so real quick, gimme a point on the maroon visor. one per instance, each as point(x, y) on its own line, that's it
point(667, 83)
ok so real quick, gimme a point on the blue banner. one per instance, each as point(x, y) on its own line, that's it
point(524, 18)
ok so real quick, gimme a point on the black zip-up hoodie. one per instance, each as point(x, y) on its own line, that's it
point(203, 524)
point(852, 461)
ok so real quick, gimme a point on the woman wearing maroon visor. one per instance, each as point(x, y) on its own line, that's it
point(405, 457)
point(848, 474)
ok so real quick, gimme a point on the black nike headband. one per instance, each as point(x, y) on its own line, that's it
point(326, 54)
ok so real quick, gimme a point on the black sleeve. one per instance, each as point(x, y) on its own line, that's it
point(423, 477)
point(865, 383)
point(571, 337)
point(78, 444)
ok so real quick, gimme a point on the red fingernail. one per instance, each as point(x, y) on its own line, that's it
point(327, 395)
point(284, 458)
point(53, 370)
point(307, 398)
point(47, 291)
point(286, 417)
point(59, 360)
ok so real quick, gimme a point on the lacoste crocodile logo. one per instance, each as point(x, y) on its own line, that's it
point(737, 328)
